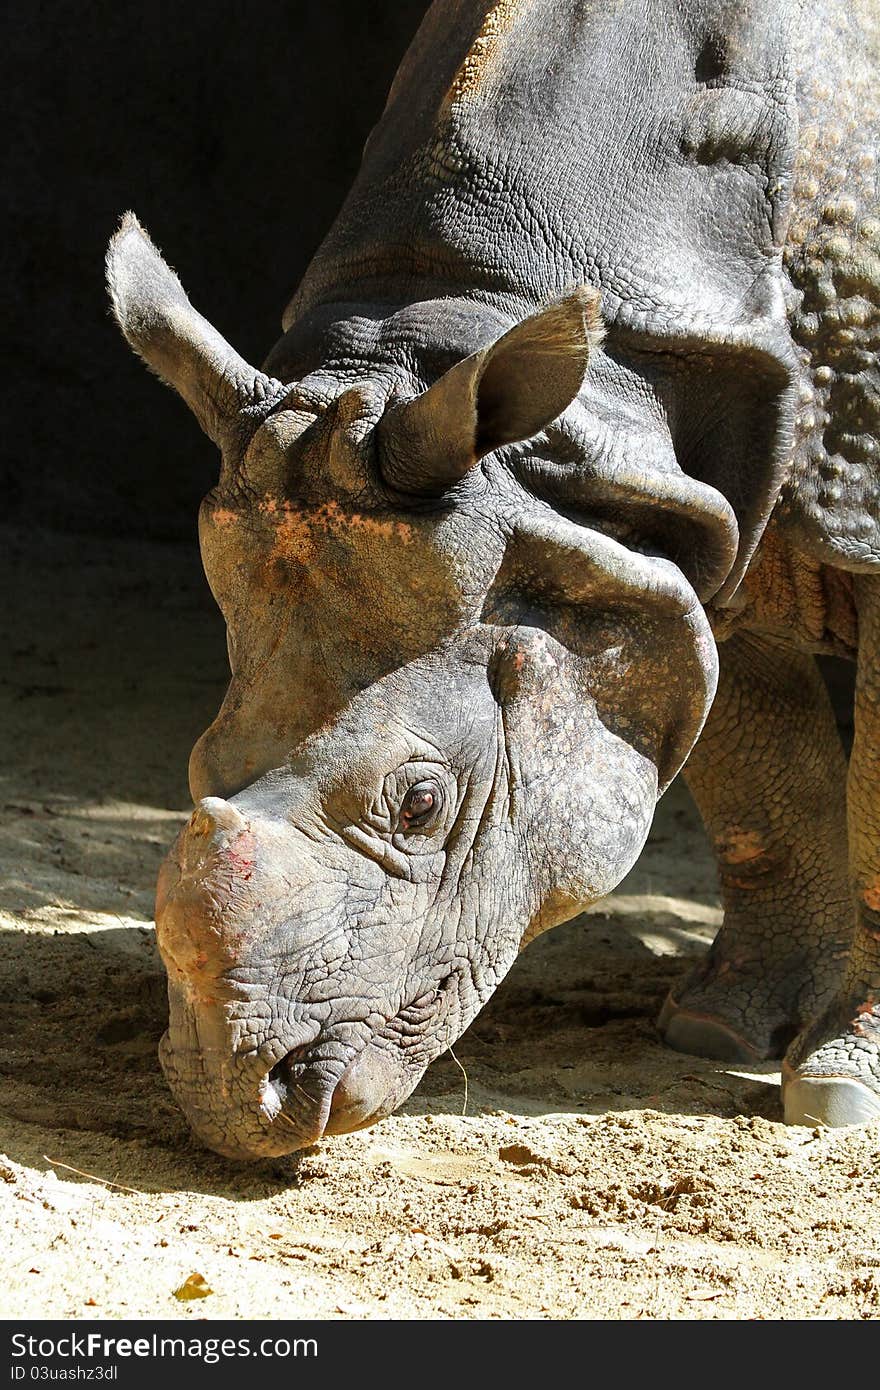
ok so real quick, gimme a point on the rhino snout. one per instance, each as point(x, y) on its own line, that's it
point(238, 1109)
point(280, 1031)
point(244, 1110)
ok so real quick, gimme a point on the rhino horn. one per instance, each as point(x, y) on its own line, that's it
point(504, 393)
point(160, 323)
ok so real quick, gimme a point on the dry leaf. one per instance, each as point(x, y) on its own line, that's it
point(193, 1287)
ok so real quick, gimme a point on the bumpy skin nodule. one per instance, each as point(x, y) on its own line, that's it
point(466, 550)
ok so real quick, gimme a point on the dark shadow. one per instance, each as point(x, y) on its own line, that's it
point(572, 1030)
point(840, 679)
point(235, 134)
point(114, 664)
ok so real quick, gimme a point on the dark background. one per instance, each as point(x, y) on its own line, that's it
point(234, 132)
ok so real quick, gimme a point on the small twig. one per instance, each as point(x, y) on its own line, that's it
point(465, 1075)
point(93, 1177)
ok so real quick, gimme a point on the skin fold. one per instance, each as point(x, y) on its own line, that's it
point(575, 398)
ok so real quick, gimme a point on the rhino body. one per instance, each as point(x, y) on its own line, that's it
point(566, 460)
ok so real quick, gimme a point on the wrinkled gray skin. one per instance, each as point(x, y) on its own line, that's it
point(465, 549)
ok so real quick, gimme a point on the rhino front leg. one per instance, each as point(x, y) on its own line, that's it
point(832, 1071)
point(769, 778)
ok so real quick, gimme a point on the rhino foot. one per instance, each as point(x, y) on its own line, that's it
point(831, 1074)
point(702, 1034)
point(731, 1014)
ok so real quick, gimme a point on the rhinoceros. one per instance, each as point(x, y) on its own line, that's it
point(562, 472)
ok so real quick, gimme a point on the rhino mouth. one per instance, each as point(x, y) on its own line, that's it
point(322, 1087)
point(379, 1076)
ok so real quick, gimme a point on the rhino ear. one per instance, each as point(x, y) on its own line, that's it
point(502, 394)
point(174, 340)
point(582, 589)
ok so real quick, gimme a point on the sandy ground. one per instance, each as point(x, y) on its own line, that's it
point(593, 1172)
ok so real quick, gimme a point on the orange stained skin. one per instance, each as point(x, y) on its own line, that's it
point(293, 534)
point(871, 895)
point(741, 846)
point(298, 530)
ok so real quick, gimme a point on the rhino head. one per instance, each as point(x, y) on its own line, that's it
point(452, 706)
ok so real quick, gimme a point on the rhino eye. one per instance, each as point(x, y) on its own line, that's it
point(421, 806)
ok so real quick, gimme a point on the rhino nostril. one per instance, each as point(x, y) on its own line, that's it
point(284, 1078)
